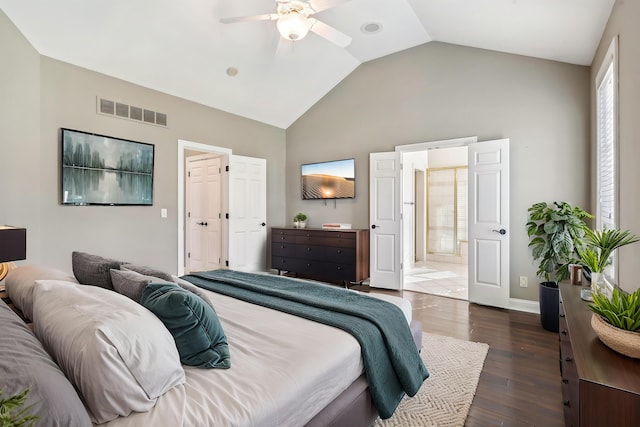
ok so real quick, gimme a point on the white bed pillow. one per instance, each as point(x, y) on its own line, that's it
point(118, 354)
point(20, 282)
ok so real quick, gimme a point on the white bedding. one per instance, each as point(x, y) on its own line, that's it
point(284, 370)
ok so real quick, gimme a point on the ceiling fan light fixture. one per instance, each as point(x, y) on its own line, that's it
point(293, 26)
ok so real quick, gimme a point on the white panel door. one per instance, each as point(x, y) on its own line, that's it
point(489, 223)
point(385, 207)
point(203, 197)
point(247, 213)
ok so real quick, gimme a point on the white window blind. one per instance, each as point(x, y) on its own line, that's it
point(605, 152)
point(606, 149)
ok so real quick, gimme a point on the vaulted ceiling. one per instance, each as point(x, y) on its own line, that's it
point(182, 48)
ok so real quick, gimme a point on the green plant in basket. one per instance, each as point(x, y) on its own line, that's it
point(12, 412)
point(621, 310)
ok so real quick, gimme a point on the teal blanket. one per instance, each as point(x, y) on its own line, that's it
point(392, 364)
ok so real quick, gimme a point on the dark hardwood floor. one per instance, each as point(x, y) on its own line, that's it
point(520, 380)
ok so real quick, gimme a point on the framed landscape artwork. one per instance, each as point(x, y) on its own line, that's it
point(103, 170)
point(329, 180)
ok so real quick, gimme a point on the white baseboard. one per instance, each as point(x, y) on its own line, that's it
point(524, 305)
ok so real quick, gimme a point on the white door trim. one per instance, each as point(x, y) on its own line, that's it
point(444, 143)
point(190, 145)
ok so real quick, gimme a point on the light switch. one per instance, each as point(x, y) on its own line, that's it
point(163, 213)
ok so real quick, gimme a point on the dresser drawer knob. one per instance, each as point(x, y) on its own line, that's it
point(564, 332)
point(567, 403)
point(562, 315)
point(339, 267)
point(568, 359)
point(564, 381)
point(339, 251)
point(308, 249)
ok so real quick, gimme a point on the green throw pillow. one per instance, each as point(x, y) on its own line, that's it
point(192, 322)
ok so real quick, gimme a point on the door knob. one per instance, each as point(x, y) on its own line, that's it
point(501, 231)
point(373, 226)
point(263, 224)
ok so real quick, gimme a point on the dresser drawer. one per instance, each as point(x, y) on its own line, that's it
point(341, 255)
point(283, 249)
point(330, 271)
point(283, 238)
point(311, 252)
point(287, 263)
point(325, 240)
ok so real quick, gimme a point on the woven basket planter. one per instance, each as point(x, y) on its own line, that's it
point(624, 342)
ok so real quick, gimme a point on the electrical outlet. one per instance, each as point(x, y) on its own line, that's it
point(524, 282)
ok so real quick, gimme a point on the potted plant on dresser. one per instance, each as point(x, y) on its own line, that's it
point(616, 321)
point(300, 220)
point(556, 235)
point(595, 254)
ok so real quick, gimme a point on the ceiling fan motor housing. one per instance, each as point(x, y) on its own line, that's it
point(293, 23)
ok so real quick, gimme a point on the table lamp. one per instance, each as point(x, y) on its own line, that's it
point(13, 246)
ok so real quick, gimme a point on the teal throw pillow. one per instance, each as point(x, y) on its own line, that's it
point(193, 323)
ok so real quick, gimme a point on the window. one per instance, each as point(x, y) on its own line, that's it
point(606, 145)
point(446, 209)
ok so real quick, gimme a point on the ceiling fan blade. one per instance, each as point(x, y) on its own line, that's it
point(266, 17)
point(320, 5)
point(325, 31)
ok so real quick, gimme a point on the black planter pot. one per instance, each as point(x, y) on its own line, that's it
point(549, 300)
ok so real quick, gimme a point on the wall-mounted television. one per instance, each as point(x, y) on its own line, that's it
point(103, 170)
point(329, 180)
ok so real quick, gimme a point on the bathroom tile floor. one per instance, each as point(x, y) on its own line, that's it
point(438, 278)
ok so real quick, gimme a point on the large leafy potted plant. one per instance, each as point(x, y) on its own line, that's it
point(599, 245)
point(556, 235)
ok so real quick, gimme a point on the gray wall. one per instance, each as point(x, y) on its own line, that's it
point(19, 134)
point(440, 91)
point(51, 94)
point(624, 23)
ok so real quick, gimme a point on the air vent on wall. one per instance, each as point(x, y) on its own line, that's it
point(125, 111)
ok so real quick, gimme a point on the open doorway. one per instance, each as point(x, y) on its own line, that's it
point(435, 194)
point(188, 241)
point(243, 209)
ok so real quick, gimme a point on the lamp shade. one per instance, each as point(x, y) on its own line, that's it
point(13, 243)
point(293, 26)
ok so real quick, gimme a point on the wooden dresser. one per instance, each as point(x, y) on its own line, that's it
point(599, 386)
point(327, 255)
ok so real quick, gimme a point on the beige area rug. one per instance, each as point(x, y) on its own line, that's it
point(445, 397)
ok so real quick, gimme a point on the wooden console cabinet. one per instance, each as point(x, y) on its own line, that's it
point(599, 386)
point(326, 255)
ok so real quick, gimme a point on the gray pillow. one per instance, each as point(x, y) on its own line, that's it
point(24, 363)
point(93, 269)
point(147, 271)
point(188, 286)
point(131, 284)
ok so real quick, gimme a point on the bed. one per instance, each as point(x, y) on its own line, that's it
point(285, 370)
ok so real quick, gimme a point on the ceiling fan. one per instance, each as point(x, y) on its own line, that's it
point(294, 20)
